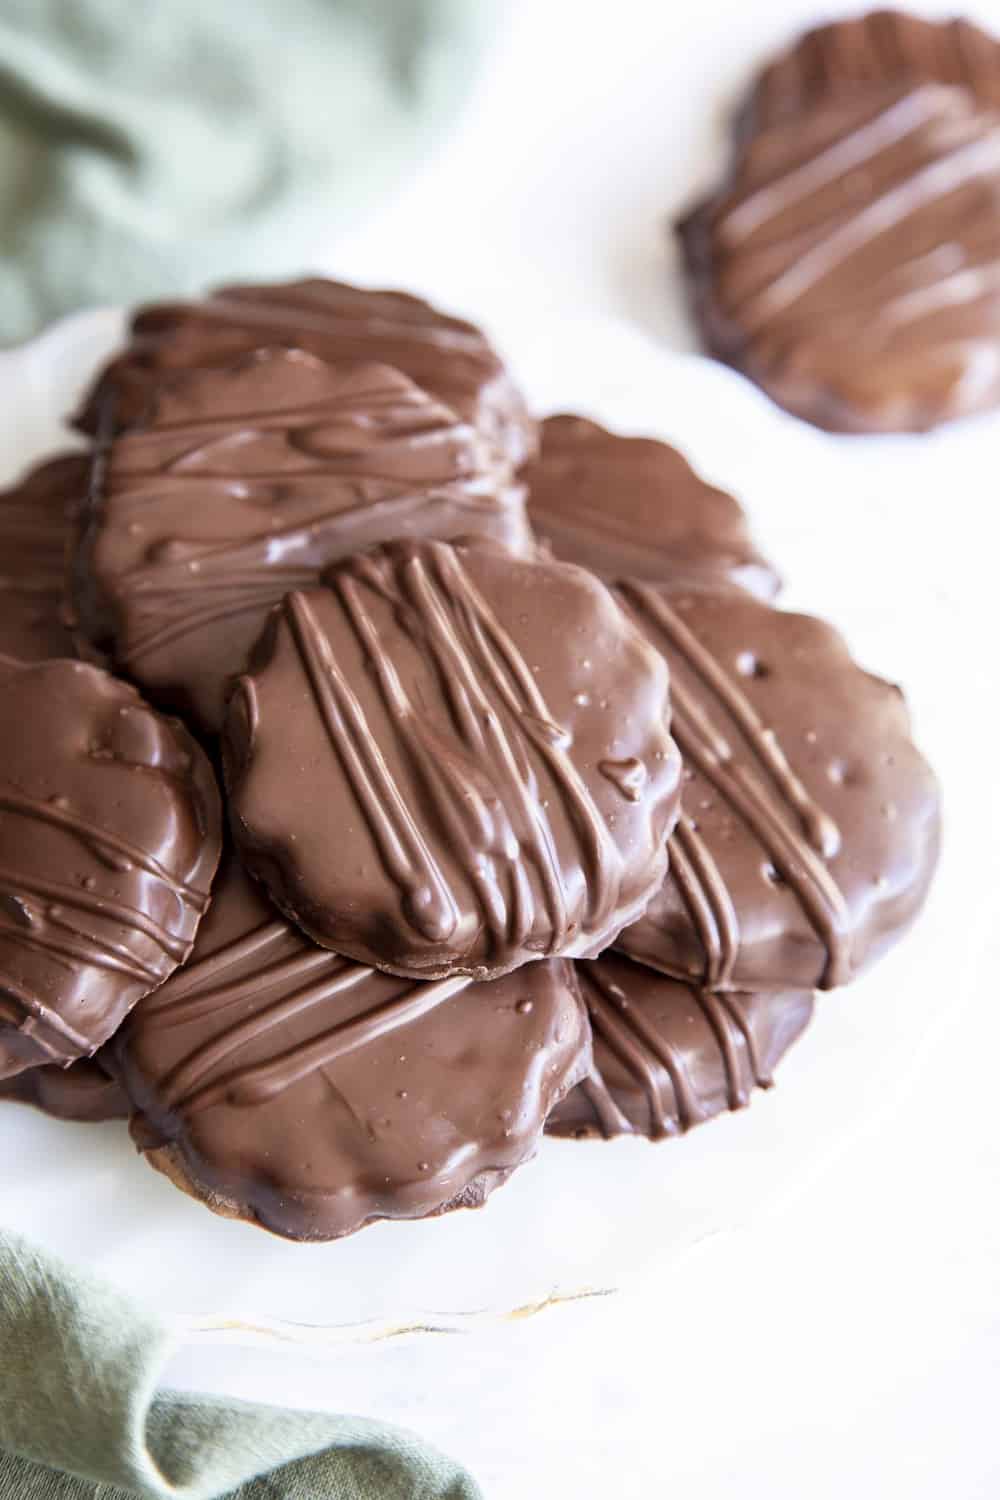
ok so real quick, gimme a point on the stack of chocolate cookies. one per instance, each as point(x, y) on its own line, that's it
point(386, 779)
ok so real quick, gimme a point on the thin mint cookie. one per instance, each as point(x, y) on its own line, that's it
point(810, 822)
point(451, 760)
point(447, 357)
point(633, 506)
point(109, 838)
point(246, 479)
point(669, 1056)
point(282, 1084)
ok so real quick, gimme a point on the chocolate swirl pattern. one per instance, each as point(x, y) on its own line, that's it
point(283, 1083)
point(466, 754)
point(36, 524)
point(109, 836)
point(245, 482)
point(884, 47)
point(341, 325)
point(633, 507)
point(668, 1056)
point(810, 824)
point(850, 265)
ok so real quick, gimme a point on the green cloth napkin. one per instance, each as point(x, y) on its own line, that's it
point(150, 146)
point(79, 1364)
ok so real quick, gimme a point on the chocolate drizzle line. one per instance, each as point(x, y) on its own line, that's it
point(111, 848)
point(797, 845)
point(37, 1012)
point(497, 730)
point(854, 230)
point(405, 853)
point(61, 894)
point(205, 989)
point(653, 1061)
point(707, 899)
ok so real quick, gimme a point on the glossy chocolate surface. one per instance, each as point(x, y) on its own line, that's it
point(447, 357)
point(634, 507)
point(286, 1085)
point(668, 1056)
point(810, 822)
point(481, 739)
point(84, 1091)
point(245, 480)
point(36, 524)
point(849, 264)
point(882, 47)
point(109, 837)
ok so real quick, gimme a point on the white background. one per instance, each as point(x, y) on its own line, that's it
point(845, 1339)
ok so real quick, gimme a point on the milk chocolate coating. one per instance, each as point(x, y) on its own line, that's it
point(809, 824)
point(85, 1091)
point(849, 266)
point(36, 523)
point(883, 47)
point(667, 1055)
point(246, 480)
point(109, 837)
point(286, 1085)
point(342, 325)
point(634, 507)
point(452, 760)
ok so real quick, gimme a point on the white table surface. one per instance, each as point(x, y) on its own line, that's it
point(847, 1340)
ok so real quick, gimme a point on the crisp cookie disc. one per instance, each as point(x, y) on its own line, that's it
point(245, 480)
point(810, 823)
point(450, 760)
point(633, 506)
point(668, 1056)
point(36, 525)
point(109, 838)
point(341, 324)
point(285, 1085)
point(850, 264)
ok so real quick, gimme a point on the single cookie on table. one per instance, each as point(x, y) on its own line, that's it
point(882, 47)
point(285, 1085)
point(667, 1055)
point(245, 480)
point(85, 1091)
point(36, 526)
point(109, 838)
point(810, 822)
point(633, 506)
point(342, 324)
point(482, 743)
point(849, 263)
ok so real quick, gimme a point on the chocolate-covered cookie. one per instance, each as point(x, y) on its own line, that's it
point(810, 822)
point(109, 837)
point(849, 264)
point(245, 480)
point(667, 1055)
point(882, 47)
point(285, 1085)
point(453, 760)
point(84, 1091)
point(36, 522)
point(633, 506)
point(341, 324)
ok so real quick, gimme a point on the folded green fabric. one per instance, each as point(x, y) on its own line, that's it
point(150, 147)
point(79, 1364)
